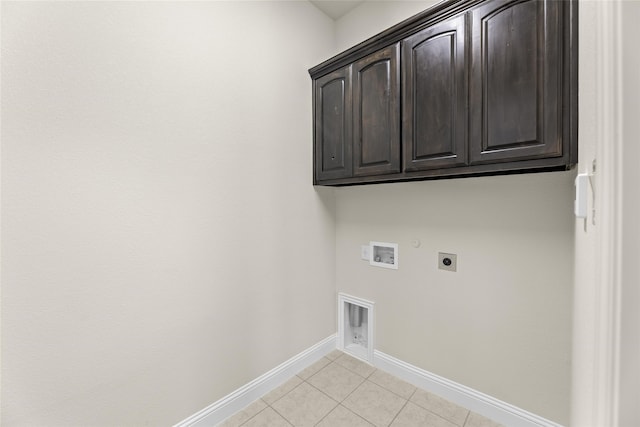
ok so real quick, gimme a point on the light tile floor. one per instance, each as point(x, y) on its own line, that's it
point(341, 391)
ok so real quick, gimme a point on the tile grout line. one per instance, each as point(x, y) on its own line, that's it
point(337, 401)
point(359, 416)
point(358, 360)
point(344, 367)
point(396, 416)
point(280, 398)
point(365, 379)
point(405, 404)
point(316, 388)
point(330, 397)
point(440, 416)
point(326, 415)
point(305, 381)
point(466, 419)
point(391, 391)
point(340, 403)
point(283, 417)
point(255, 415)
point(318, 371)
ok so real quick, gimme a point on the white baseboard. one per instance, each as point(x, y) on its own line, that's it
point(497, 410)
point(490, 407)
point(245, 395)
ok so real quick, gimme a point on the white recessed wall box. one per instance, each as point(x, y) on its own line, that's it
point(355, 327)
point(383, 254)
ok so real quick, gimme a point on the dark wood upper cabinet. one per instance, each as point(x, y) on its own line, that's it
point(333, 143)
point(434, 92)
point(516, 81)
point(465, 88)
point(376, 113)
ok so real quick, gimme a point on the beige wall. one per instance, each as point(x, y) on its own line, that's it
point(162, 244)
point(585, 266)
point(629, 410)
point(606, 363)
point(502, 323)
point(372, 17)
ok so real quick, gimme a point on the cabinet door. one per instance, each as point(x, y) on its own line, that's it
point(332, 139)
point(435, 97)
point(376, 113)
point(515, 82)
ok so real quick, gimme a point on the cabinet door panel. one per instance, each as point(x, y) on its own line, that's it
point(434, 96)
point(516, 92)
point(333, 143)
point(376, 114)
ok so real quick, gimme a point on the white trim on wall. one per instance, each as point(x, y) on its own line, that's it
point(608, 207)
point(478, 402)
point(248, 393)
point(483, 404)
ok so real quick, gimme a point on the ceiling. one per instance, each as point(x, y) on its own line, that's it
point(336, 8)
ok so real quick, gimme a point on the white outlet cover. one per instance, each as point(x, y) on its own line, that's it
point(364, 252)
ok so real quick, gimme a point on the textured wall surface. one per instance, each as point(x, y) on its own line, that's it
point(162, 244)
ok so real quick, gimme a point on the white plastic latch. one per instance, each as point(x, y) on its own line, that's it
point(580, 203)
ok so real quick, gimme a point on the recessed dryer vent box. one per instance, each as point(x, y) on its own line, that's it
point(355, 327)
point(383, 254)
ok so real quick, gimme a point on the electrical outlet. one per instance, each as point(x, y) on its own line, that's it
point(447, 262)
